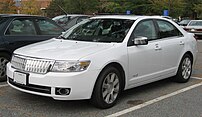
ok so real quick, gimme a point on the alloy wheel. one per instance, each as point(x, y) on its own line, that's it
point(3, 62)
point(110, 88)
point(186, 68)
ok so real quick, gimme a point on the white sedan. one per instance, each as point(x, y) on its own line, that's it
point(100, 57)
point(195, 26)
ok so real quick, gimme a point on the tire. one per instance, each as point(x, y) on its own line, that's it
point(4, 59)
point(107, 88)
point(184, 69)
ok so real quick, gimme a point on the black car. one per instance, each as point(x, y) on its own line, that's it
point(20, 30)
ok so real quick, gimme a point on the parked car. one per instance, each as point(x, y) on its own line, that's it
point(184, 23)
point(99, 58)
point(67, 21)
point(75, 20)
point(195, 26)
point(19, 30)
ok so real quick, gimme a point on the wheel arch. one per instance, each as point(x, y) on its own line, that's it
point(6, 52)
point(119, 68)
point(190, 54)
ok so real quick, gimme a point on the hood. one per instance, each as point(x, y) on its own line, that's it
point(62, 49)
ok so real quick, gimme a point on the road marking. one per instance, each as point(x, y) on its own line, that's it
point(197, 78)
point(153, 101)
point(5, 85)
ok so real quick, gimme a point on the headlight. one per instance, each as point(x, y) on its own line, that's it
point(70, 66)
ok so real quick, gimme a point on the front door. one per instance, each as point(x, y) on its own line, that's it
point(145, 61)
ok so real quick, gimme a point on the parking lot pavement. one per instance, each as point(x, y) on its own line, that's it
point(185, 102)
point(14, 103)
point(198, 65)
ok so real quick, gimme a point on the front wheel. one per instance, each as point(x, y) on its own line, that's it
point(184, 70)
point(107, 88)
point(4, 59)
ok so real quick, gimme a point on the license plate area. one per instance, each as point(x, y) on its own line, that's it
point(21, 78)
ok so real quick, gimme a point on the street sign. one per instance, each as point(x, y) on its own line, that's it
point(165, 12)
point(128, 12)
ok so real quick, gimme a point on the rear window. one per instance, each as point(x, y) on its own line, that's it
point(195, 23)
point(2, 20)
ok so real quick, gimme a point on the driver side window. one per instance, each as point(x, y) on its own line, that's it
point(144, 28)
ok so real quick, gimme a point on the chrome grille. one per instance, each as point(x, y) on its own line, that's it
point(29, 64)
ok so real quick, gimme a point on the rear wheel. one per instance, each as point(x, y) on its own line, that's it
point(184, 70)
point(107, 88)
point(4, 59)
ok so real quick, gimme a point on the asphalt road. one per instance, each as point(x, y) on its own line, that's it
point(159, 99)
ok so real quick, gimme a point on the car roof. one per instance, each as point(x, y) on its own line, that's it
point(18, 15)
point(131, 17)
point(68, 15)
point(195, 20)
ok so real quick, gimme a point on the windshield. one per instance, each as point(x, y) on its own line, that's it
point(195, 23)
point(99, 30)
point(184, 22)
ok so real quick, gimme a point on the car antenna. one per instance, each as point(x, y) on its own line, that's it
point(62, 9)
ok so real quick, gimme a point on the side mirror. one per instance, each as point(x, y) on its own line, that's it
point(140, 41)
point(63, 33)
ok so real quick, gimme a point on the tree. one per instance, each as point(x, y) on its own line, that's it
point(8, 7)
point(137, 7)
point(30, 7)
point(198, 9)
point(81, 6)
point(141, 7)
point(56, 8)
point(175, 7)
point(59, 7)
point(193, 8)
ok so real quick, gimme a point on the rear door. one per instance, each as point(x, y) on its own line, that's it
point(172, 43)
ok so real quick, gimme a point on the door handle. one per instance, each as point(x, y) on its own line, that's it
point(157, 47)
point(181, 43)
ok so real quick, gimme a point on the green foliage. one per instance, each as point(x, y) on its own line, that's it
point(138, 7)
point(176, 8)
point(198, 9)
point(58, 7)
point(193, 8)
point(81, 6)
point(55, 8)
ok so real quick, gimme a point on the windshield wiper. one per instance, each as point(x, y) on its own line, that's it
point(61, 37)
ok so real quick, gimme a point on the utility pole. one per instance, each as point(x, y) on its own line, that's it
point(18, 5)
point(169, 7)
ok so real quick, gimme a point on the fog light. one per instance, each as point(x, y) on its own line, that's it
point(62, 91)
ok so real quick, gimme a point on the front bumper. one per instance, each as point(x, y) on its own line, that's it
point(81, 84)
